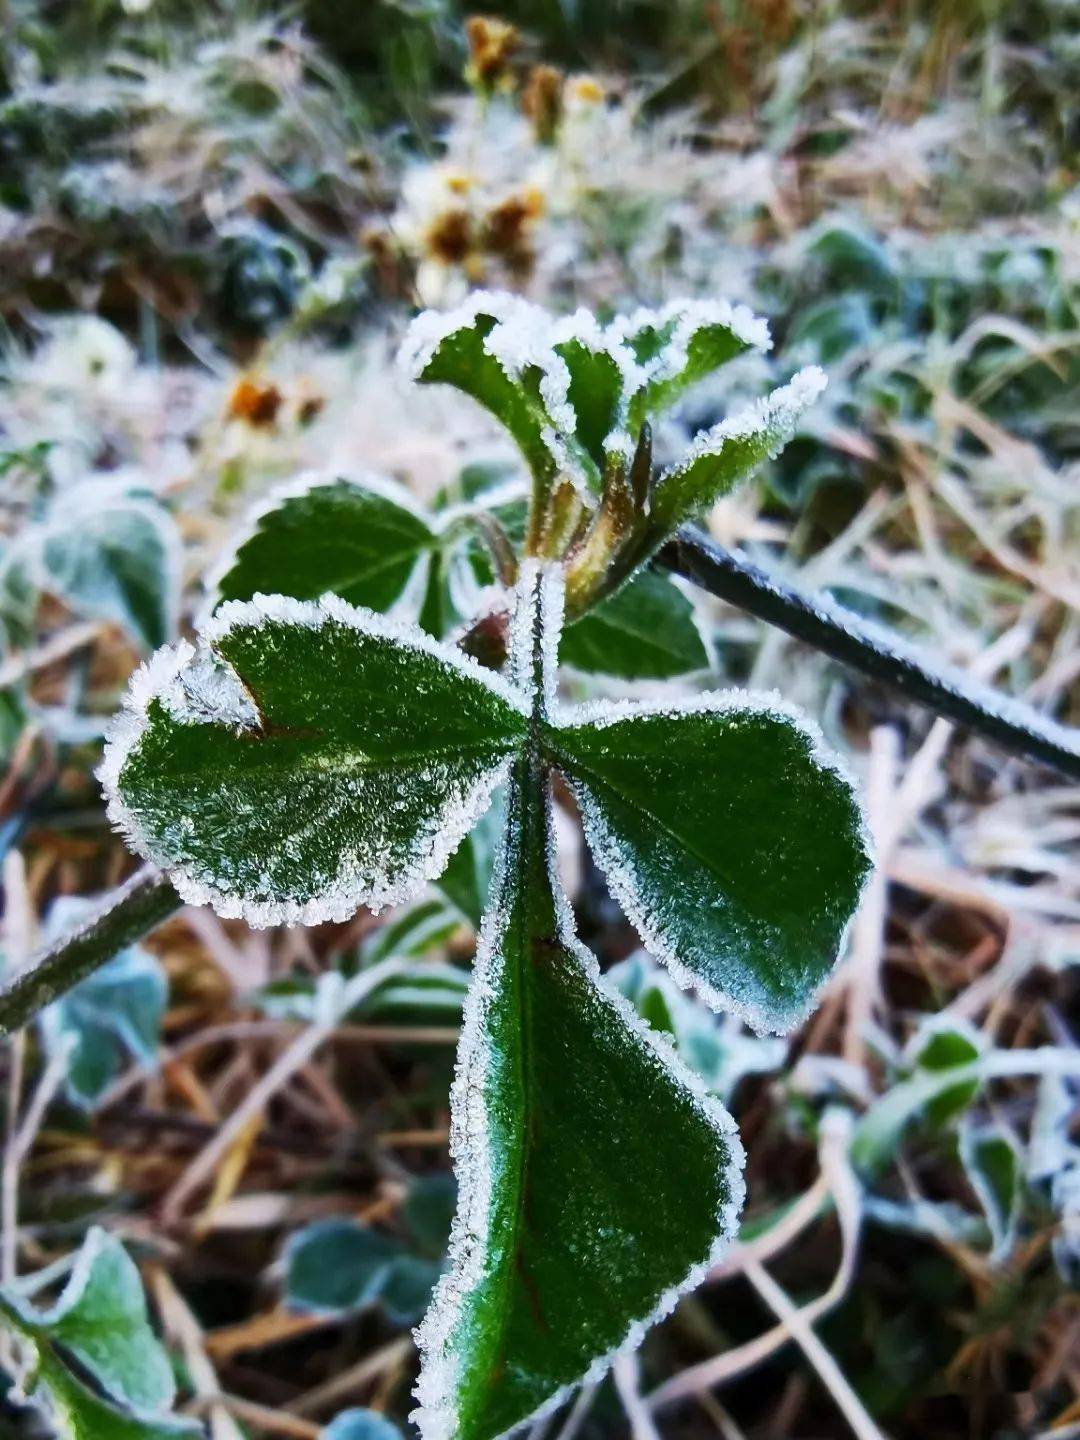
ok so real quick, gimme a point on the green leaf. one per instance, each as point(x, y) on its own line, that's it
point(338, 1266)
point(100, 1320)
point(720, 458)
point(86, 1416)
point(306, 759)
point(459, 349)
point(115, 1011)
point(467, 877)
point(113, 557)
point(414, 931)
point(334, 1266)
point(646, 631)
point(361, 1425)
point(716, 1047)
point(429, 1211)
point(941, 1043)
point(595, 1178)
point(681, 344)
point(596, 391)
point(993, 1163)
point(733, 844)
point(358, 538)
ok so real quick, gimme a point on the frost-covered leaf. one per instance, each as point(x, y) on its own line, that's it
point(83, 1415)
point(101, 1321)
point(729, 838)
point(337, 1266)
point(683, 343)
point(114, 1012)
point(306, 759)
point(361, 1425)
point(113, 557)
point(358, 538)
point(489, 349)
point(994, 1166)
point(719, 458)
point(594, 1177)
point(646, 631)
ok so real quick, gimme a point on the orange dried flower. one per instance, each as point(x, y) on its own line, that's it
point(254, 402)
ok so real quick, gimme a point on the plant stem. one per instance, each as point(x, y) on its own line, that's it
point(128, 913)
point(869, 648)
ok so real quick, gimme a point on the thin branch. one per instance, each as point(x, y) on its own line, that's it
point(873, 651)
point(126, 915)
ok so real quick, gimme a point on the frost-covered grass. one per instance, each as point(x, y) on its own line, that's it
point(211, 242)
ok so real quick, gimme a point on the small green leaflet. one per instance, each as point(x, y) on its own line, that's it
point(596, 1178)
point(100, 1319)
point(358, 538)
point(306, 759)
point(720, 458)
point(939, 1044)
point(681, 344)
point(646, 631)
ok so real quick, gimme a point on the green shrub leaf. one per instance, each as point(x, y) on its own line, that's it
point(306, 759)
point(101, 1321)
point(358, 538)
point(737, 850)
point(113, 556)
point(485, 349)
point(596, 1177)
point(115, 1011)
point(646, 631)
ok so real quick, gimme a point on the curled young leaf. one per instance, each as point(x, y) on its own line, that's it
point(718, 459)
point(306, 759)
point(681, 344)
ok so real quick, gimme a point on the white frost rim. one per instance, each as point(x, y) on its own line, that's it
point(199, 688)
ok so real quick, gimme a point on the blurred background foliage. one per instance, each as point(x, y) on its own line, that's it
point(215, 221)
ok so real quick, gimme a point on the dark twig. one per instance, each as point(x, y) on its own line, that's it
point(128, 913)
point(869, 648)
